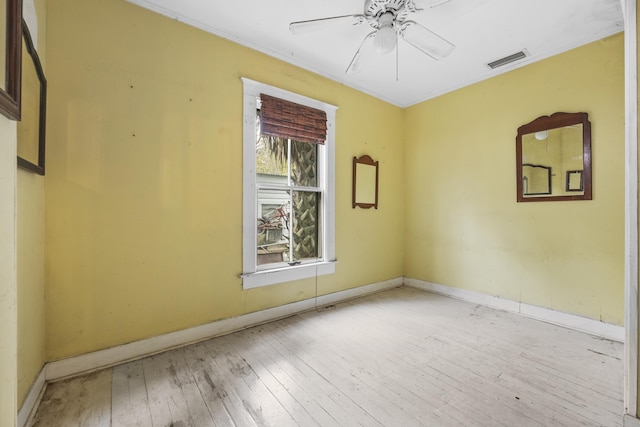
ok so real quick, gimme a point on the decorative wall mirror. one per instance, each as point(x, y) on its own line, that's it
point(365, 182)
point(553, 158)
point(31, 129)
point(10, 57)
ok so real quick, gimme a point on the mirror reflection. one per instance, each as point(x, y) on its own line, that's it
point(365, 183)
point(547, 156)
point(554, 158)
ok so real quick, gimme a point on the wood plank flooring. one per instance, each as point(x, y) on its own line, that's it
point(403, 357)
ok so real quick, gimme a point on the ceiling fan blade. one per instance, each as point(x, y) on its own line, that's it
point(428, 4)
point(436, 3)
point(425, 40)
point(365, 51)
point(301, 27)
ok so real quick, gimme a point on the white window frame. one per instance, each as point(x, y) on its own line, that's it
point(253, 277)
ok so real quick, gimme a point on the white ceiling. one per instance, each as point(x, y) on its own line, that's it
point(481, 30)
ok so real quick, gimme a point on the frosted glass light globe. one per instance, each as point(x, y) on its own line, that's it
point(385, 40)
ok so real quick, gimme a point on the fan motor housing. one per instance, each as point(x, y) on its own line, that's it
point(376, 8)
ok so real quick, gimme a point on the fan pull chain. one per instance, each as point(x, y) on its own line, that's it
point(397, 60)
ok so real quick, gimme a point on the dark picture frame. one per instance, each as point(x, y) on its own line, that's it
point(10, 91)
point(33, 93)
point(570, 183)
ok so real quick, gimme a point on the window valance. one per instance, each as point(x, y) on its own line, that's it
point(287, 119)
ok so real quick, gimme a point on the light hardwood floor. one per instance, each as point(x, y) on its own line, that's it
point(403, 357)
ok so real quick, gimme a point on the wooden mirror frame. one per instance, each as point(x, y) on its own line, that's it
point(365, 160)
point(555, 121)
point(10, 93)
point(30, 164)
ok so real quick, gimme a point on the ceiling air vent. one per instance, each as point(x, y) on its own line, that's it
point(507, 59)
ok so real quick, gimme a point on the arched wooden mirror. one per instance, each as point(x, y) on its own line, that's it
point(365, 182)
point(553, 158)
point(31, 128)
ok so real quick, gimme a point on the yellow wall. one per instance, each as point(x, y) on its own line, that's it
point(463, 225)
point(31, 258)
point(8, 317)
point(143, 189)
point(30, 265)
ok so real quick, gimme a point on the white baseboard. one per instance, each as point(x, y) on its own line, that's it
point(629, 421)
point(124, 353)
point(583, 324)
point(31, 402)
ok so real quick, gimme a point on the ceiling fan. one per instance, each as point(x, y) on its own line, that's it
point(389, 20)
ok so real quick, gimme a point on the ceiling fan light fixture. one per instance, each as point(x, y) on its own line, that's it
point(385, 40)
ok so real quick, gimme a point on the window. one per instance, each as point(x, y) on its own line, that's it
point(288, 187)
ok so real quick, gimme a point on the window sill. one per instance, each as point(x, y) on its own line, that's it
point(287, 274)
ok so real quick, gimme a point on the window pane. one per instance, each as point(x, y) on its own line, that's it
point(271, 156)
point(305, 225)
point(273, 226)
point(304, 164)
